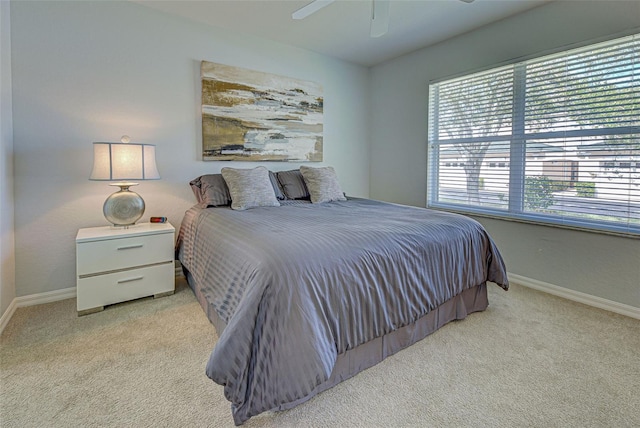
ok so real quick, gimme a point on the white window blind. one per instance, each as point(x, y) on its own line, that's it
point(554, 139)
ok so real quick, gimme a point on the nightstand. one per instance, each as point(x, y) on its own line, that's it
point(114, 265)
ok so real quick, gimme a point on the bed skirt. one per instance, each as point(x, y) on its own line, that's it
point(355, 360)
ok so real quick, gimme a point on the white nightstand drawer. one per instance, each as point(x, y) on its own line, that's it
point(102, 290)
point(122, 253)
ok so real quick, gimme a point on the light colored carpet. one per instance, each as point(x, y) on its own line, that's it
point(530, 360)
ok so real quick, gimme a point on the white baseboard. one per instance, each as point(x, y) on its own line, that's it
point(35, 299)
point(4, 320)
point(576, 296)
point(47, 297)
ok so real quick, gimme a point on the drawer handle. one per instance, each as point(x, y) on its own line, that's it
point(129, 247)
point(137, 278)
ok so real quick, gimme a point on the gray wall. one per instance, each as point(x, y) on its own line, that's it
point(604, 266)
point(93, 71)
point(7, 255)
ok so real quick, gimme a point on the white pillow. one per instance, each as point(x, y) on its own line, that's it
point(322, 184)
point(250, 188)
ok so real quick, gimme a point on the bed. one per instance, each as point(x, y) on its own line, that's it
point(306, 295)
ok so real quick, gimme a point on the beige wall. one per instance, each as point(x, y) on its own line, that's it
point(93, 71)
point(600, 265)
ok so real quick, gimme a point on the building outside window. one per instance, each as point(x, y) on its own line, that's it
point(554, 139)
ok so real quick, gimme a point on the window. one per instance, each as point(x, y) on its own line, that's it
point(565, 126)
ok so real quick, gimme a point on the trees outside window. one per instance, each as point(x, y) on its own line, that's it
point(567, 126)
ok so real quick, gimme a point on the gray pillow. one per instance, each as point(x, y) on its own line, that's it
point(211, 190)
point(276, 186)
point(322, 184)
point(293, 184)
point(250, 188)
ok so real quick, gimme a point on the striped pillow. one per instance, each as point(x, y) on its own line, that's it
point(276, 186)
point(210, 190)
point(293, 184)
point(250, 188)
point(322, 184)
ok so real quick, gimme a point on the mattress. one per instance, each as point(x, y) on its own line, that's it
point(293, 290)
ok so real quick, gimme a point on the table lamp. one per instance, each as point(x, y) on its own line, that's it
point(121, 162)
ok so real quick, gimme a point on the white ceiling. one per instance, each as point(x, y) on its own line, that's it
point(341, 30)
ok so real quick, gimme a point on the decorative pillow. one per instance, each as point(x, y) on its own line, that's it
point(250, 188)
point(293, 184)
point(276, 186)
point(322, 184)
point(211, 190)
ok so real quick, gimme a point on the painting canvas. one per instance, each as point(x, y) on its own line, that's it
point(248, 115)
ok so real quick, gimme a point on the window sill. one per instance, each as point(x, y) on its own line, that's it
point(533, 219)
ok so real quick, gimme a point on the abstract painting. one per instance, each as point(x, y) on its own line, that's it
point(248, 115)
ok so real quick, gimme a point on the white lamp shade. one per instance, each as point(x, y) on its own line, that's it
point(124, 161)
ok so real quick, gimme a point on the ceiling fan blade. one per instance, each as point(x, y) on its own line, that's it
point(467, 1)
point(311, 8)
point(379, 17)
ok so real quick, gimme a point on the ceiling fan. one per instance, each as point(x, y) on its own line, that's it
point(379, 13)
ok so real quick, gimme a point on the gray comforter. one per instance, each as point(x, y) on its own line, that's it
point(299, 284)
